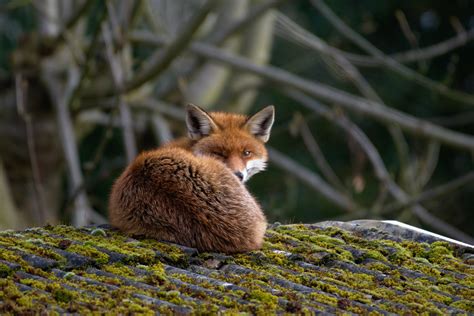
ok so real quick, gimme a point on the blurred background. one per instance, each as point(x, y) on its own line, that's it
point(374, 102)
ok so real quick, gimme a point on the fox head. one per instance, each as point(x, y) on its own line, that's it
point(236, 140)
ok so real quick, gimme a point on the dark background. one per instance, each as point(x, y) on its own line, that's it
point(285, 198)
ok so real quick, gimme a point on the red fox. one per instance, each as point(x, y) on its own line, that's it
point(191, 191)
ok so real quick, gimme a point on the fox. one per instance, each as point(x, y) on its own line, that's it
point(191, 191)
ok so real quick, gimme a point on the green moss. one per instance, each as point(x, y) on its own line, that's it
point(439, 252)
point(467, 305)
point(5, 271)
point(114, 242)
point(374, 254)
point(283, 249)
point(25, 301)
point(269, 300)
point(34, 283)
point(62, 295)
point(89, 251)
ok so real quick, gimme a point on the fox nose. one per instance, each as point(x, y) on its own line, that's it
point(239, 175)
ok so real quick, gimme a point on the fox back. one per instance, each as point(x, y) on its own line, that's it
point(191, 190)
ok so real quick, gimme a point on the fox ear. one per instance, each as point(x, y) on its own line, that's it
point(261, 123)
point(198, 122)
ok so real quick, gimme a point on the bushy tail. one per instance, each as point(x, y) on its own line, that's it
point(169, 194)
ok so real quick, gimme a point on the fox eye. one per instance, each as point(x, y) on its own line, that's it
point(246, 153)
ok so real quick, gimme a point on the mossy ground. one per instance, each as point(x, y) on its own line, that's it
point(298, 270)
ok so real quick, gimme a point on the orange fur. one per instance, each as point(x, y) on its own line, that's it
point(187, 191)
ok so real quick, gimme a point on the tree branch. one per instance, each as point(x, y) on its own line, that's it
point(313, 180)
point(160, 62)
point(296, 33)
point(318, 156)
point(426, 53)
point(60, 96)
point(117, 70)
point(37, 187)
point(379, 167)
point(220, 37)
point(349, 101)
point(432, 193)
point(388, 62)
point(244, 22)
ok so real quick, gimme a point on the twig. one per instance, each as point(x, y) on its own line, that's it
point(428, 165)
point(318, 156)
point(380, 170)
point(406, 29)
point(124, 111)
point(160, 62)
point(91, 50)
point(409, 35)
point(432, 193)
point(244, 22)
point(60, 98)
point(312, 180)
point(50, 21)
point(217, 39)
point(456, 120)
point(37, 187)
point(457, 25)
point(72, 21)
point(388, 62)
point(425, 53)
point(162, 107)
point(296, 33)
point(91, 165)
point(349, 101)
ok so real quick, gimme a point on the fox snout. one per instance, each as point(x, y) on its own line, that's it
point(238, 167)
point(244, 169)
point(239, 175)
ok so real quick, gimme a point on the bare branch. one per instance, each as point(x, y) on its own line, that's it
point(379, 167)
point(90, 166)
point(318, 156)
point(432, 193)
point(313, 180)
point(162, 107)
point(76, 16)
point(296, 33)
point(457, 25)
point(409, 35)
point(350, 102)
point(160, 62)
point(456, 120)
point(244, 22)
point(60, 97)
point(236, 27)
point(425, 53)
point(117, 70)
point(428, 164)
point(90, 51)
point(406, 29)
point(22, 111)
point(388, 62)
